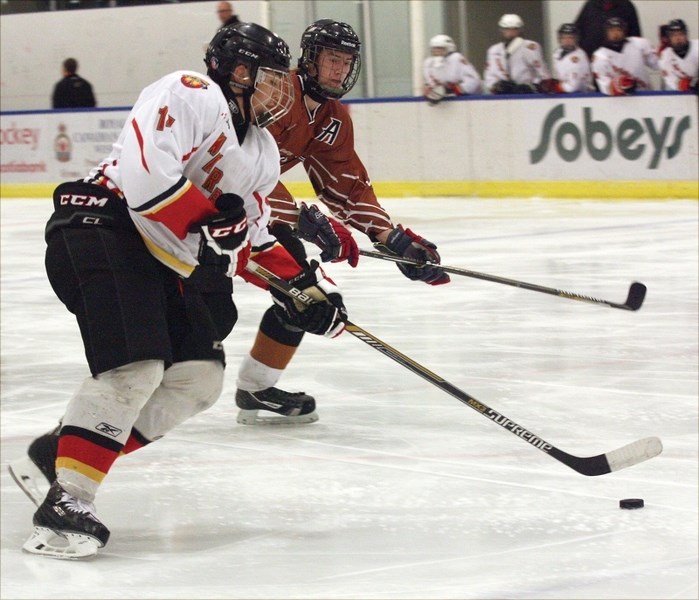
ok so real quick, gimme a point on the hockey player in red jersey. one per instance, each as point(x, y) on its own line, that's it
point(138, 251)
point(318, 133)
point(620, 66)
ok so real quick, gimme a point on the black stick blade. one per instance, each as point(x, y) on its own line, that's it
point(637, 293)
point(621, 458)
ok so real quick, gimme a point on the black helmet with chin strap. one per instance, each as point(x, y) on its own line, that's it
point(332, 35)
point(249, 44)
point(254, 47)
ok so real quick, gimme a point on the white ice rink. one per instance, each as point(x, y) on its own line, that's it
point(400, 490)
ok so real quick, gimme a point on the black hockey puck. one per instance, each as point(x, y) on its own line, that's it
point(631, 503)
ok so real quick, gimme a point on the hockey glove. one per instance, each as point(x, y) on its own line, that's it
point(685, 85)
point(225, 244)
point(435, 94)
point(407, 244)
point(504, 86)
point(331, 236)
point(524, 88)
point(326, 316)
point(549, 86)
point(623, 85)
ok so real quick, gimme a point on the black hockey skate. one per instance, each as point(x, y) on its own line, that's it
point(66, 527)
point(294, 408)
point(35, 472)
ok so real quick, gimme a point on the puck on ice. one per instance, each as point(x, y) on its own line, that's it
point(631, 503)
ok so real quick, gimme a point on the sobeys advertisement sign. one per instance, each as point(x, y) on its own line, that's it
point(642, 138)
point(599, 132)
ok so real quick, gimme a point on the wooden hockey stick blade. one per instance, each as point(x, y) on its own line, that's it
point(615, 460)
point(634, 300)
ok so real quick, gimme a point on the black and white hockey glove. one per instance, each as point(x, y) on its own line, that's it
point(225, 243)
point(331, 236)
point(408, 244)
point(326, 316)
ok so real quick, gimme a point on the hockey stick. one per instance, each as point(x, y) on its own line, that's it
point(634, 300)
point(615, 460)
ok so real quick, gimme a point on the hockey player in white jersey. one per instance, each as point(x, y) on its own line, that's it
point(571, 66)
point(139, 252)
point(514, 65)
point(679, 61)
point(447, 72)
point(620, 66)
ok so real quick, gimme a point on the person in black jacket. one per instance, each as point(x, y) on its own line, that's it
point(72, 91)
point(225, 13)
point(594, 14)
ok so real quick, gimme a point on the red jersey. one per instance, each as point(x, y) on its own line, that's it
point(323, 140)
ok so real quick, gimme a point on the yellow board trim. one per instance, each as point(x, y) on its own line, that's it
point(611, 190)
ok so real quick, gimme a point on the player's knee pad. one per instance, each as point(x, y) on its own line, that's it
point(275, 325)
point(110, 402)
point(188, 388)
point(134, 383)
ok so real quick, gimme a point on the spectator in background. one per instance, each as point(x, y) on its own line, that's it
point(570, 65)
point(72, 91)
point(621, 65)
point(226, 14)
point(594, 14)
point(447, 72)
point(679, 62)
point(514, 65)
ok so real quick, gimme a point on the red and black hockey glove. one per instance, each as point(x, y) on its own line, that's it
point(549, 86)
point(408, 244)
point(331, 236)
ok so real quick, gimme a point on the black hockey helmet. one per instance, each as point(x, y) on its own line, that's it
point(267, 58)
point(568, 29)
point(616, 22)
point(332, 35)
point(249, 44)
point(676, 25)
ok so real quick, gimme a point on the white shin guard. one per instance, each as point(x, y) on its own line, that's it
point(254, 376)
point(109, 404)
point(187, 389)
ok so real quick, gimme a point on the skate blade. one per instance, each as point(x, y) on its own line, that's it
point(63, 545)
point(30, 479)
point(252, 417)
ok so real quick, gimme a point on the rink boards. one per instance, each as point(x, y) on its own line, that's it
point(574, 146)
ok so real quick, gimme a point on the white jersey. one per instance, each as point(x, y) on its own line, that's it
point(572, 69)
point(177, 153)
point(675, 69)
point(452, 71)
point(519, 61)
point(634, 60)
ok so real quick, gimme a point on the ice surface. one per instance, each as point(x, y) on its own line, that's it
point(401, 491)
